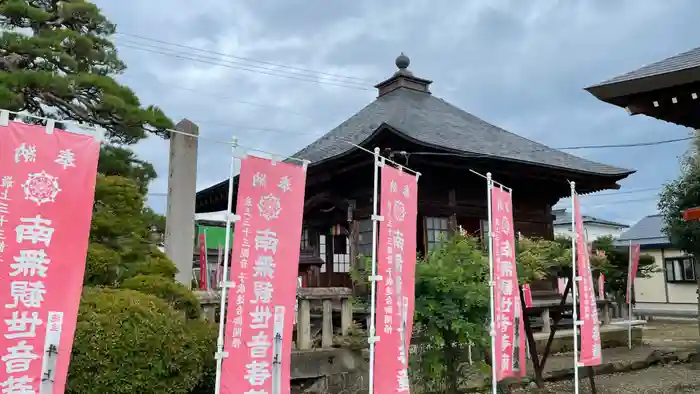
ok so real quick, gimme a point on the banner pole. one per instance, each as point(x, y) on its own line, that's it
point(226, 284)
point(574, 278)
point(492, 288)
point(629, 299)
point(207, 278)
point(373, 338)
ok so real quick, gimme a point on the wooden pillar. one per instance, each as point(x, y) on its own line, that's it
point(327, 327)
point(359, 289)
point(452, 203)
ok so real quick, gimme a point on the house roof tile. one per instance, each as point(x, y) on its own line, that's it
point(679, 62)
point(434, 122)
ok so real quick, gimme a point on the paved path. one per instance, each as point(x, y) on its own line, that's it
point(669, 334)
point(563, 361)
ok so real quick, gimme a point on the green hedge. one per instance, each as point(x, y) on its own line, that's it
point(175, 294)
point(127, 342)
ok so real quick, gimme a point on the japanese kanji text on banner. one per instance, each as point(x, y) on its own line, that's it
point(590, 328)
point(396, 263)
point(265, 257)
point(509, 338)
point(47, 186)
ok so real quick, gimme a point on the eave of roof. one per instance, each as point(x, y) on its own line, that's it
point(676, 70)
point(592, 220)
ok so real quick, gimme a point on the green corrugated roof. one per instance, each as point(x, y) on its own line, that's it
point(216, 235)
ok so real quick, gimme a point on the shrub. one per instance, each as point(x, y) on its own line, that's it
point(157, 263)
point(102, 265)
point(206, 334)
point(129, 342)
point(175, 294)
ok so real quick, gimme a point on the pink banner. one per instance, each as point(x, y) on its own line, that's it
point(561, 285)
point(527, 295)
point(601, 286)
point(590, 329)
point(203, 271)
point(265, 263)
point(47, 186)
point(396, 262)
point(510, 334)
point(634, 252)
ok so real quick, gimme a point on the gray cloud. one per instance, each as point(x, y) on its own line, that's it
point(520, 65)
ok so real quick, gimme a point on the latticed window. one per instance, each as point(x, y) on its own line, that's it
point(436, 231)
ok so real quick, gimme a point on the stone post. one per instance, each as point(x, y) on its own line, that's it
point(327, 324)
point(345, 316)
point(304, 325)
point(546, 321)
point(182, 191)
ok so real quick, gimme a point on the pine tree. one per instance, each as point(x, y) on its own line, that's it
point(56, 60)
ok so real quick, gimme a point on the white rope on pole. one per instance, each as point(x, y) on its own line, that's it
point(226, 284)
point(373, 338)
point(574, 291)
point(502, 186)
point(96, 133)
point(384, 159)
point(492, 288)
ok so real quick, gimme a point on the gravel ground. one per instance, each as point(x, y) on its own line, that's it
point(679, 378)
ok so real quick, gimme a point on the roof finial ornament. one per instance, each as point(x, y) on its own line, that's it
point(402, 62)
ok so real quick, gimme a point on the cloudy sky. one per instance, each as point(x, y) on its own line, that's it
point(521, 65)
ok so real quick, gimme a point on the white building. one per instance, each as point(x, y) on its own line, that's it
point(594, 227)
point(672, 290)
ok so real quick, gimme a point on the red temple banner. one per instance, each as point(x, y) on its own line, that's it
point(396, 263)
point(509, 336)
point(634, 251)
point(203, 269)
point(591, 353)
point(47, 186)
point(527, 295)
point(265, 260)
point(601, 286)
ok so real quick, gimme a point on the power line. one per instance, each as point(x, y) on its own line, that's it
point(546, 149)
point(227, 97)
point(656, 189)
point(232, 65)
point(585, 205)
point(621, 202)
point(247, 59)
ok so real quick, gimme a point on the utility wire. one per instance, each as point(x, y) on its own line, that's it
point(545, 149)
point(247, 59)
point(232, 65)
point(223, 96)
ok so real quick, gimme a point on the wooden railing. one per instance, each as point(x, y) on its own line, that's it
point(315, 305)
